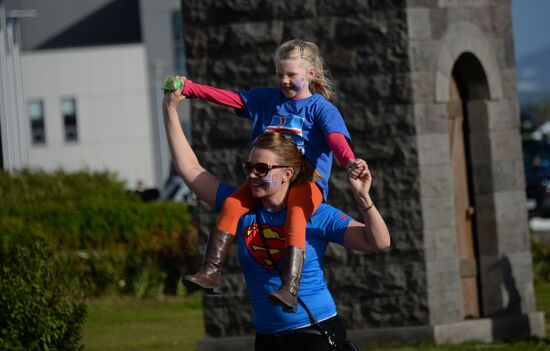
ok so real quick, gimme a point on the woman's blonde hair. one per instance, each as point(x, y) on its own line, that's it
point(308, 52)
point(289, 155)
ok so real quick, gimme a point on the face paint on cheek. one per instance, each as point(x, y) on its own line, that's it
point(270, 182)
point(300, 83)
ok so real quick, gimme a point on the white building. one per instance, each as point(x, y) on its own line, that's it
point(91, 75)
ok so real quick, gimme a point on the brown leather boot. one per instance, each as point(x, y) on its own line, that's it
point(286, 296)
point(210, 274)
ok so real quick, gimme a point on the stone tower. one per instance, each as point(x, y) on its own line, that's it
point(427, 89)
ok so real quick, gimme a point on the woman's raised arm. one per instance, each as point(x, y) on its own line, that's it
point(200, 181)
point(373, 235)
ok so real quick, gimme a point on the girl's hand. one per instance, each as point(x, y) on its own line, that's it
point(361, 184)
point(356, 168)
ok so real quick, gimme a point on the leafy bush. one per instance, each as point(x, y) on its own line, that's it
point(105, 237)
point(39, 310)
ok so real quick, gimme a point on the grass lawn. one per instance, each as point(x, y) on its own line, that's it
point(130, 323)
point(176, 323)
point(542, 294)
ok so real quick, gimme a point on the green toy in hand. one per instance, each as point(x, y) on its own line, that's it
point(171, 83)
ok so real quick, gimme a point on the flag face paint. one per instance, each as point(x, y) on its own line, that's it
point(269, 181)
point(300, 84)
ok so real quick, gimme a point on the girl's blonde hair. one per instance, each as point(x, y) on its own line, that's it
point(308, 52)
point(289, 155)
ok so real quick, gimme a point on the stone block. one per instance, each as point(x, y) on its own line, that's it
point(431, 118)
point(438, 22)
point(423, 54)
point(418, 20)
point(403, 215)
point(484, 178)
point(342, 8)
point(480, 146)
point(422, 86)
point(443, 275)
point(509, 87)
point(510, 205)
point(407, 242)
point(439, 244)
point(486, 234)
point(433, 149)
point(497, 115)
point(406, 310)
point(436, 181)
point(479, 330)
point(484, 19)
point(491, 281)
point(460, 14)
point(421, 3)
point(437, 213)
point(513, 235)
point(498, 176)
point(507, 284)
point(503, 19)
point(466, 3)
point(445, 305)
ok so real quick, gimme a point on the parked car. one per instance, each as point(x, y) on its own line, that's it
point(536, 158)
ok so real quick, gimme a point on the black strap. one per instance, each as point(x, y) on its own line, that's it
point(314, 321)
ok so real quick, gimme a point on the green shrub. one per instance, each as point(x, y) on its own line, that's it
point(541, 261)
point(39, 310)
point(106, 238)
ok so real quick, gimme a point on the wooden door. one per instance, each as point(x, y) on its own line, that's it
point(463, 207)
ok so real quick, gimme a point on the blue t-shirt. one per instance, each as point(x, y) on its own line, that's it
point(307, 121)
point(327, 224)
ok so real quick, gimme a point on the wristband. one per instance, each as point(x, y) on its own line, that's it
point(366, 209)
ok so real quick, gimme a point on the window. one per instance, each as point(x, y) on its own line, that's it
point(36, 116)
point(68, 109)
point(179, 48)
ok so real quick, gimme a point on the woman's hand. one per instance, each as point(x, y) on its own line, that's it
point(174, 98)
point(356, 168)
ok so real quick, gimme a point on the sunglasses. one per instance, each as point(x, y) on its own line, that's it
point(260, 169)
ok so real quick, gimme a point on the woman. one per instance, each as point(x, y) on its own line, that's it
point(274, 163)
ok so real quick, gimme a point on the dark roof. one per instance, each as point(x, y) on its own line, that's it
point(116, 23)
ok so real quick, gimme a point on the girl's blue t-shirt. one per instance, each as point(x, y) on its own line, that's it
point(307, 121)
point(327, 224)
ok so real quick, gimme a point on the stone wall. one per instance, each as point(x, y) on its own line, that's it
point(229, 44)
point(391, 61)
point(474, 37)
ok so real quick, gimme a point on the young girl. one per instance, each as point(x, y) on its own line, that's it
point(298, 108)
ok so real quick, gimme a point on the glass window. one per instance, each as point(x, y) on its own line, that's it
point(36, 115)
point(68, 109)
point(179, 48)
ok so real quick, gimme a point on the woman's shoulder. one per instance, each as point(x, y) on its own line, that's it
point(329, 212)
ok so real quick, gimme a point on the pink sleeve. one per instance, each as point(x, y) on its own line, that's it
point(215, 95)
point(339, 146)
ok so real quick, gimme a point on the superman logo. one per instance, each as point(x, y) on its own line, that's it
point(275, 239)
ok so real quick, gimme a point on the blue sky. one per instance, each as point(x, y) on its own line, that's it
point(531, 25)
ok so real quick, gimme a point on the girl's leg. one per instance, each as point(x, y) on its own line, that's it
point(234, 207)
point(303, 201)
point(221, 238)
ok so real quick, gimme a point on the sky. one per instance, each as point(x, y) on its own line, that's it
point(531, 25)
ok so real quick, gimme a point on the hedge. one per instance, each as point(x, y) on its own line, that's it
point(105, 237)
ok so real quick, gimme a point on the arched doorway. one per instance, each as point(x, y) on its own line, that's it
point(468, 83)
